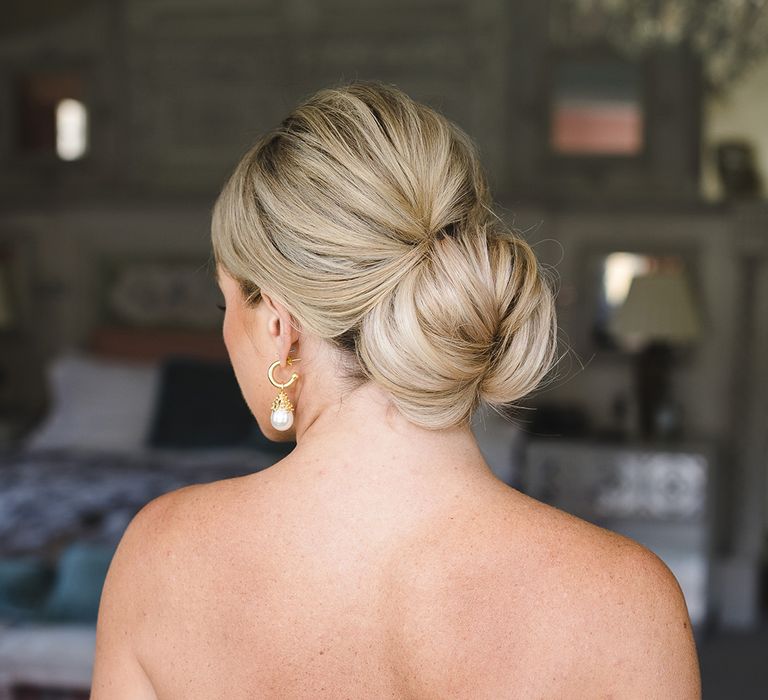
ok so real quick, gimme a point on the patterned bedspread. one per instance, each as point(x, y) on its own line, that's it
point(51, 497)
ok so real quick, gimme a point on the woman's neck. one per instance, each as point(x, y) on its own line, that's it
point(361, 439)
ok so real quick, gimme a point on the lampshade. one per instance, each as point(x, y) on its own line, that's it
point(658, 307)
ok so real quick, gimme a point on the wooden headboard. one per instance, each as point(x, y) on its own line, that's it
point(154, 344)
point(156, 305)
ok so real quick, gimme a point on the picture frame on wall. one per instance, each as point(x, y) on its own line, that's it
point(591, 126)
point(620, 127)
point(597, 109)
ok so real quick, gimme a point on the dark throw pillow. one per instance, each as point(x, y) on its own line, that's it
point(200, 405)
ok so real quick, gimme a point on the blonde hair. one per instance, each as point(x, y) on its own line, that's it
point(368, 215)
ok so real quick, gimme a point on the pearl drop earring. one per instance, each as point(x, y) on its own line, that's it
point(282, 408)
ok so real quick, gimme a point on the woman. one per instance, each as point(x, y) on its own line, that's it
point(373, 301)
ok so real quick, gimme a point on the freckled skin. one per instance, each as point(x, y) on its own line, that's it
point(380, 560)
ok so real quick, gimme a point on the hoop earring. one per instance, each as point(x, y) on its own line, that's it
point(282, 409)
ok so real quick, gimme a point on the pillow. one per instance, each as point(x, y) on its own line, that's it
point(25, 581)
point(97, 403)
point(80, 578)
point(200, 405)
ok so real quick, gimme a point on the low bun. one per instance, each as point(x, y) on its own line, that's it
point(473, 322)
point(369, 216)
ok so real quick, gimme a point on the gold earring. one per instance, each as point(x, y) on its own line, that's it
point(282, 409)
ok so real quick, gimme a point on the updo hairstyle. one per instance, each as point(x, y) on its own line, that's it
point(368, 215)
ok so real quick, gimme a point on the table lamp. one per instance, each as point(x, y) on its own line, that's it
point(657, 316)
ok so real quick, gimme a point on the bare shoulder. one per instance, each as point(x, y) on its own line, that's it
point(521, 599)
point(651, 638)
point(162, 518)
point(152, 536)
point(162, 527)
point(626, 612)
point(151, 548)
point(129, 588)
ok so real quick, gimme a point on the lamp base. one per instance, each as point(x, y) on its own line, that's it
point(660, 417)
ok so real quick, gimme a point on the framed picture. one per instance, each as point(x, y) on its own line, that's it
point(159, 292)
point(597, 109)
point(588, 125)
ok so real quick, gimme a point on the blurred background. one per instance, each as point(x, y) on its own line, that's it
point(627, 140)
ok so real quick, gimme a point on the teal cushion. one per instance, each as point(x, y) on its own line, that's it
point(25, 582)
point(77, 590)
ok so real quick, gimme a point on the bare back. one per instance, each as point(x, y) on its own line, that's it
point(268, 590)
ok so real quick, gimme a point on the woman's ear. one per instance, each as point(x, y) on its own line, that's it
point(282, 328)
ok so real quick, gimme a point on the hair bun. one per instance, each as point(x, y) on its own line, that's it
point(368, 214)
point(474, 321)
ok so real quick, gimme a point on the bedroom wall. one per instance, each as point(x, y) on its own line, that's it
point(178, 90)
